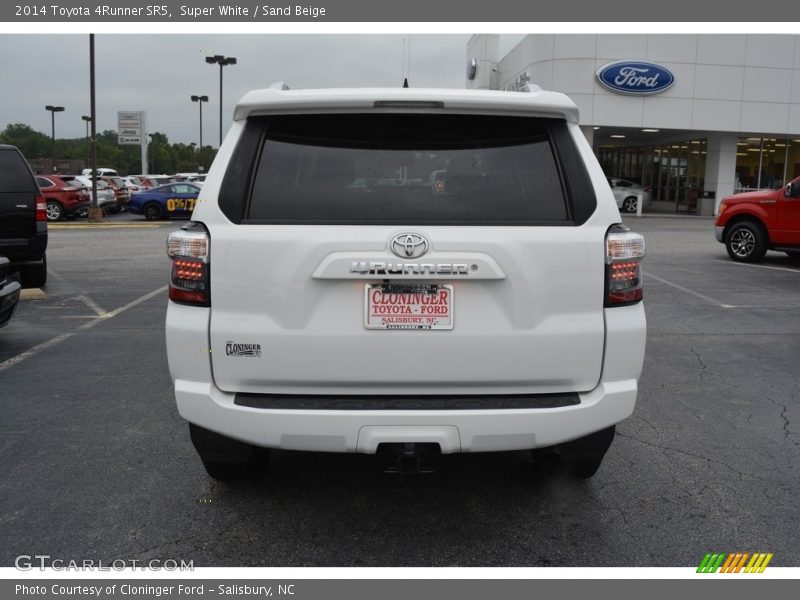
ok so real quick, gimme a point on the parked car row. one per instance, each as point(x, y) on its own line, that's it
point(70, 196)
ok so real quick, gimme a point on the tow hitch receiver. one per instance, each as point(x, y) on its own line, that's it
point(409, 458)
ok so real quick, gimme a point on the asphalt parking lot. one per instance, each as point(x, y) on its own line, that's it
point(95, 462)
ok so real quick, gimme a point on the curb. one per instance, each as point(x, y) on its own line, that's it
point(104, 225)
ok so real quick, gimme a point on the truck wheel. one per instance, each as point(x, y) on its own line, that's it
point(226, 459)
point(629, 204)
point(746, 241)
point(34, 276)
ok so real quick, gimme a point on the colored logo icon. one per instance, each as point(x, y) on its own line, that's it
point(739, 562)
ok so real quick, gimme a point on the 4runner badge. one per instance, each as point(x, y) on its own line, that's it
point(232, 349)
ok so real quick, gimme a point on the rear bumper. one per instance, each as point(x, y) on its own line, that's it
point(22, 251)
point(483, 430)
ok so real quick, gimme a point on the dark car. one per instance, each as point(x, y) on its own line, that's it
point(9, 292)
point(170, 200)
point(23, 219)
point(64, 201)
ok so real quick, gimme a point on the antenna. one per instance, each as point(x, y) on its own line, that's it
point(406, 69)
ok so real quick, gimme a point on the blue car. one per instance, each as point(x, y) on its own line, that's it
point(169, 200)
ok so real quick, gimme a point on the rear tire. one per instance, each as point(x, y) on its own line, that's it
point(746, 241)
point(629, 204)
point(34, 276)
point(55, 212)
point(226, 459)
point(152, 212)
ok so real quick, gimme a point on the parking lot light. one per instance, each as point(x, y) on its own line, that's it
point(222, 61)
point(53, 110)
point(88, 120)
point(200, 100)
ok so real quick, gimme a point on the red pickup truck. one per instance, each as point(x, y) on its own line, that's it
point(749, 224)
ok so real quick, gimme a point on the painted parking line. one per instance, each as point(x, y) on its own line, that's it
point(686, 290)
point(99, 310)
point(740, 264)
point(15, 360)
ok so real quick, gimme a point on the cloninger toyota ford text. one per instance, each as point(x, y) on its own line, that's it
point(405, 271)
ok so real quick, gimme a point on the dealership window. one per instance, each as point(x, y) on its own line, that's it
point(766, 162)
point(672, 172)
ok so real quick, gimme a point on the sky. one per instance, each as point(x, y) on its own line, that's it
point(159, 73)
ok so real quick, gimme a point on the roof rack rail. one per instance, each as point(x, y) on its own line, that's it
point(279, 85)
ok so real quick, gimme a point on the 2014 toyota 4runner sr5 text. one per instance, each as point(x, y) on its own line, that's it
point(404, 270)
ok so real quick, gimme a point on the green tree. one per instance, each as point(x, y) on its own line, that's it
point(163, 156)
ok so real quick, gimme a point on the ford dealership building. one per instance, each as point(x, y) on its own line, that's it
point(692, 117)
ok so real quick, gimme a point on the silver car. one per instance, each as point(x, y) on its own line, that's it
point(106, 198)
point(628, 194)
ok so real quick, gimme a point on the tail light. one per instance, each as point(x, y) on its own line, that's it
point(188, 248)
point(624, 254)
point(69, 188)
point(41, 209)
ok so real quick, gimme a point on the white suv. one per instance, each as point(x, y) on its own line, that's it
point(326, 297)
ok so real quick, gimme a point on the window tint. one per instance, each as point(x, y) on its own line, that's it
point(406, 169)
point(44, 183)
point(14, 173)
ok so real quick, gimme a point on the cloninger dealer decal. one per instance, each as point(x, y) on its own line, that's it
point(251, 350)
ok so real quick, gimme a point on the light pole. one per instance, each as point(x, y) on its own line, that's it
point(87, 120)
point(200, 100)
point(53, 110)
point(222, 61)
point(152, 154)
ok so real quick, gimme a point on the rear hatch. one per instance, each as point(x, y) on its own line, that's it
point(346, 269)
point(18, 192)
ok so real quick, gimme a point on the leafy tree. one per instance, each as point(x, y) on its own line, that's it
point(164, 157)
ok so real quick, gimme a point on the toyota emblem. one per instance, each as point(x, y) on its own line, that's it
point(409, 245)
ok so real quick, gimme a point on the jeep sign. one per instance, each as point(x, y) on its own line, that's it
point(633, 77)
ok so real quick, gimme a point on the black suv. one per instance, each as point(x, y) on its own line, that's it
point(23, 219)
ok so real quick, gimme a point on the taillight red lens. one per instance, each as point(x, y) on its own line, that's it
point(41, 209)
point(624, 252)
point(189, 276)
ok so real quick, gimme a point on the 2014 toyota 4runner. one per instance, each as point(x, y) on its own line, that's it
point(749, 224)
point(326, 297)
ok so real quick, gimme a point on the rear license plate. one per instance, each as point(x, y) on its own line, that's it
point(408, 306)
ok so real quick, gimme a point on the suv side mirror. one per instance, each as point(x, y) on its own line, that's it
point(790, 190)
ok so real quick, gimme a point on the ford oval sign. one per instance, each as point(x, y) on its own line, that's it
point(634, 77)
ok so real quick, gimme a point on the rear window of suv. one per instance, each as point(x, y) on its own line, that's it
point(402, 169)
point(15, 176)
